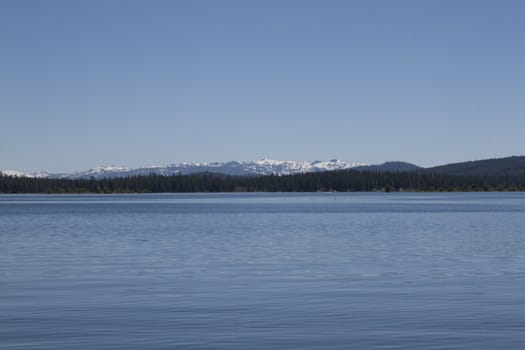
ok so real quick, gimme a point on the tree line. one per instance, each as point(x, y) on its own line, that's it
point(340, 181)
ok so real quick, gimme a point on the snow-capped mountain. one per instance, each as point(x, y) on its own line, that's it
point(258, 167)
point(98, 172)
point(33, 174)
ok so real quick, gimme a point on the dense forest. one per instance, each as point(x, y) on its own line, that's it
point(341, 181)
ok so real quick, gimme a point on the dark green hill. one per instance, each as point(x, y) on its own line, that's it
point(512, 166)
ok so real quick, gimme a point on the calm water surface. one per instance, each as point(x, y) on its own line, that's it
point(263, 271)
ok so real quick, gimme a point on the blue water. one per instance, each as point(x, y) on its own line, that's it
point(263, 271)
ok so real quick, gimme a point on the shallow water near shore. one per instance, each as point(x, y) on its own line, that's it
point(263, 271)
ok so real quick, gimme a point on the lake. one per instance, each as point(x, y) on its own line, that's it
point(263, 271)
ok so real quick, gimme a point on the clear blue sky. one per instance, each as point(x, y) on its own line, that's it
point(85, 83)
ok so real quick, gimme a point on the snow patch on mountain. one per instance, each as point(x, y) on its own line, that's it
point(99, 172)
point(33, 174)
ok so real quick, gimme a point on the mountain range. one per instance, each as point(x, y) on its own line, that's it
point(514, 165)
point(258, 167)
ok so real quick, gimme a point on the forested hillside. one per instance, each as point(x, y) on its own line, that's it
point(344, 180)
point(488, 167)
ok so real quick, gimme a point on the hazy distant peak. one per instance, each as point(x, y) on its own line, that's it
point(391, 166)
